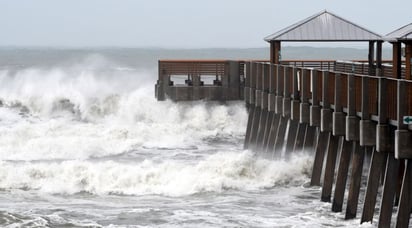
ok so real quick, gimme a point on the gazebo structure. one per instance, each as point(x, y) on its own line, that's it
point(398, 37)
point(325, 27)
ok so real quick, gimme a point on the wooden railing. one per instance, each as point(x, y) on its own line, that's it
point(288, 81)
point(318, 64)
point(190, 67)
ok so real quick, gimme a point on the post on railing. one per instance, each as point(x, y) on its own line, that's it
point(265, 85)
point(258, 92)
point(367, 134)
point(286, 91)
point(326, 112)
point(160, 85)
point(247, 83)
point(382, 128)
point(279, 89)
point(305, 91)
point(295, 103)
point(234, 80)
point(403, 137)
point(338, 115)
point(252, 89)
point(272, 88)
point(352, 121)
point(315, 107)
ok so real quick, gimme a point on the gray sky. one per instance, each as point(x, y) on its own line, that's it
point(178, 23)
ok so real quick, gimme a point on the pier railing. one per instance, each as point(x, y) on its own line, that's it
point(224, 79)
point(320, 86)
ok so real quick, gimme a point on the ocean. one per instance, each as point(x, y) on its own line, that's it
point(84, 143)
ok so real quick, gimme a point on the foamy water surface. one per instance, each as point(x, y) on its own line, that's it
point(86, 144)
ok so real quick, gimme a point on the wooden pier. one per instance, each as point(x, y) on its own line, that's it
point(340, 111)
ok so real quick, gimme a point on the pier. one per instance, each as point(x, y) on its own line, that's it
point(340, 111)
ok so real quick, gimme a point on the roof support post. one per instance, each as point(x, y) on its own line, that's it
point(408, 57)
point(275, 52)
point(371, 57)
point(396, 60)
point(379, 58)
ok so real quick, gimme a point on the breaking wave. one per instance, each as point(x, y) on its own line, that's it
point(218, 172)
point(98, 109)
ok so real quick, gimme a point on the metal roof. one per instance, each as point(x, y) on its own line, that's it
point(324, 26)
point(403, 33)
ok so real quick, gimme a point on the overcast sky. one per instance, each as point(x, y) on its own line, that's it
point(178, 23)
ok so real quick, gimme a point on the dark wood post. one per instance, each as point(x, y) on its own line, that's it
point(396, 60)
point(408, 57)
point(371, 58)
point(275, 55)
point(379, 58)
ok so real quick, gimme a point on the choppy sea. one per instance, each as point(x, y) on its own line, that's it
point(84, 143)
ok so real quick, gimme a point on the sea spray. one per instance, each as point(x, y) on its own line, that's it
point(100, 110)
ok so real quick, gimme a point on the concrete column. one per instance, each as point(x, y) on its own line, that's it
point(355, 181)
point(389, 190)
point(405, 201)
point(346, 149)
point(374, 177)
point(329, 168)
point(320, 149)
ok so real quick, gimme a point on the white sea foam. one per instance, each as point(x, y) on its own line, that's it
point(218, 172)
point(96, 110)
